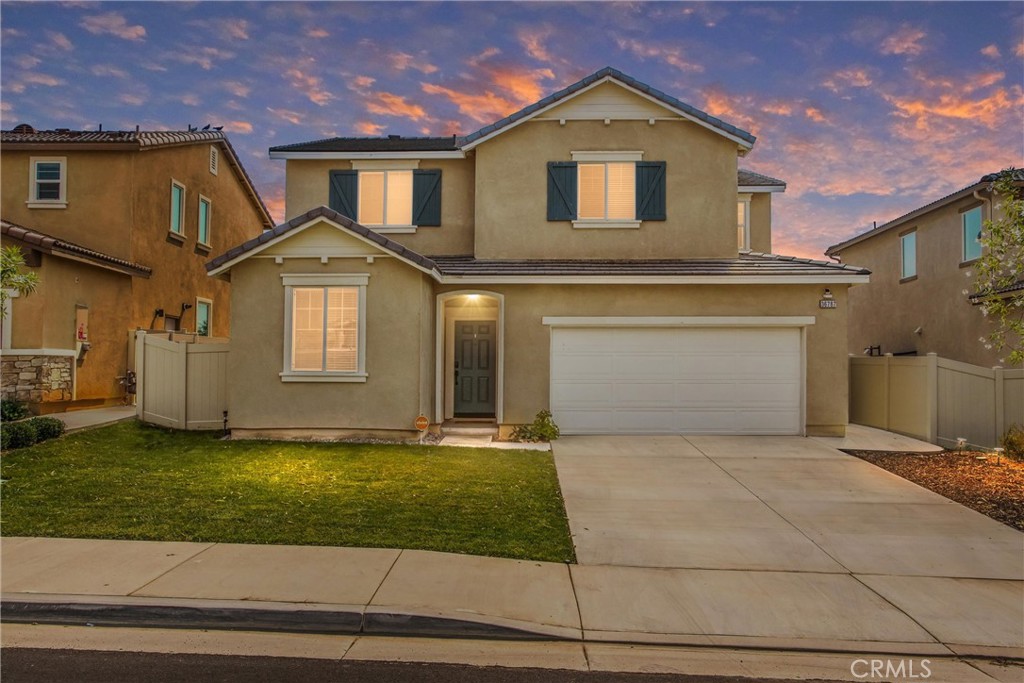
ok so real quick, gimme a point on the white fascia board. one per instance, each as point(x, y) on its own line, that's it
point(654, 279)
point(224, 267)
point(761, 188)
point(679, 321)
point(739, 141)
point(454, 154)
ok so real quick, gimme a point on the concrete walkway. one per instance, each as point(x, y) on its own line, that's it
point(78, 420)
point(861, 438)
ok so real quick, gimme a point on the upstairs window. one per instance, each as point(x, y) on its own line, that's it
point(971, 232)
point(606, 190)
point(392, 200)
point(743, 222)
point(177, 208)
point(47, 183)
point(908, 255)
point(203, 234)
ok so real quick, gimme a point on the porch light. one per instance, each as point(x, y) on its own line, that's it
point(472, 297)
point(827, 294)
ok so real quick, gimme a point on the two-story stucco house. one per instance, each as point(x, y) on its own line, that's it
point(589, 254)
point(921, 264)
point(119, 226)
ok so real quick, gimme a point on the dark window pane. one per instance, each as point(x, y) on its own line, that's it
point(48, 191)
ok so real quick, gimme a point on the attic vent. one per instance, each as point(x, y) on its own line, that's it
point(214, 159)
point(23, 128)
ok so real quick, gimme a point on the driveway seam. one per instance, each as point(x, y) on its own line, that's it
point(163, 574)
point(815, 544)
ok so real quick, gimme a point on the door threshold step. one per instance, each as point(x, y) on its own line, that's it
point(469, 430)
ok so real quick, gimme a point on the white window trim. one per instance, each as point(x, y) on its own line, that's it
point(62, 201)
point(292, 280)
point(385, 227)
point(181, 210)
point(745, 200)
point(209, 316)
point(963, 234)
point(385, 165)
point(7, 329)
point(903, 259)
point(604, 158)
point(209, 221)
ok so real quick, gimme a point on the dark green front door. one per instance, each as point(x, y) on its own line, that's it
point(474, 368)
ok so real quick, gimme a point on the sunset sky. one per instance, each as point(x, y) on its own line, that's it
point(867, 110)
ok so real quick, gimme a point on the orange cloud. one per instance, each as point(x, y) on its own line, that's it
point(988, 110)
point(991, 51)
point(42, 79)
point(273, 198)
point(1019, 50)
point(402, 61)
point(243, 127)
point(672, 56)
point(27, 61)
point(288, 115)
point(235, 28)
point(237, 89)
point(389, 104)
point(113, 24)
point(533, 39)
point(60, 40)
point(523, 85)
point(814, 114)
point(483, 107)
point(905, 41)
point(190, 100)
point(203, 57)
point(369, 128)
point(311, 86)
point(856, 77)
point(361, 83)
point(317, 33)
point(778, 108)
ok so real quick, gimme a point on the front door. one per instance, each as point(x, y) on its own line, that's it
point(474, 368)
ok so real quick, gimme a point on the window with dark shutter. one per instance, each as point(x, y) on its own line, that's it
point(344, 193)
point(426, 197)
point(561, 190)
point(650, 190)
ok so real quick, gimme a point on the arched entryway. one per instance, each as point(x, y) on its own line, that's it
point(469, 370)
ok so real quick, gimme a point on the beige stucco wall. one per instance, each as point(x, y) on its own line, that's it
point(886, 312)
point(761, 222)
point(99, 185)
point(307, 186)
point(397, 327)
point(511, 192)
point(45, 319)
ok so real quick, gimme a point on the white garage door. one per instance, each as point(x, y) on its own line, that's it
point(676, 380)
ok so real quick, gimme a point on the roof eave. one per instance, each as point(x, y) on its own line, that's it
point(447, 154)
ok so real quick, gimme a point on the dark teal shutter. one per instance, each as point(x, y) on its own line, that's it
point(650, 190)
point(561, 190)
point(426, 197)
point(344, 194)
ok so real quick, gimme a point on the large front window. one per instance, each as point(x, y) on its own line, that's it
point(325, 321)
point(385, 198)
point(607, 191)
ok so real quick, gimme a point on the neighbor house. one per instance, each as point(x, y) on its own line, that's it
point(590, 254)
point(118, 225)
point(919, 299)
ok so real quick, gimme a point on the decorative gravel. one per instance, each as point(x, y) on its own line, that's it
point(976, 480)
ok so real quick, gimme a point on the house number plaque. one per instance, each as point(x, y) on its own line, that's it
point(827, 303)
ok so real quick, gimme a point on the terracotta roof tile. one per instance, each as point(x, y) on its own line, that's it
point(49, 244)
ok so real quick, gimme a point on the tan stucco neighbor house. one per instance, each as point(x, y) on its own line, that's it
point(119, 226)
point(919, 300)
point(595, 254)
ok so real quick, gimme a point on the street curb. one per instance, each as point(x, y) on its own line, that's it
point(322, 621)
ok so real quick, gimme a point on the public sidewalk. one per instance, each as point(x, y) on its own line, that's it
point(361, 591)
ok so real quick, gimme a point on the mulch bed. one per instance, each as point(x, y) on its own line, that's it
point(970, 478)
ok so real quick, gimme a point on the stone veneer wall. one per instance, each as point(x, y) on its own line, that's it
point(36, 379)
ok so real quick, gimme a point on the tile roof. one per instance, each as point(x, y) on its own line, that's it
point(49, 245)
point(331, 215)
point(748, 178)
point(623, 78)
point(977, 297)
point(982, 183)
point(392, 143)
point(136, 139)
point(747, 264)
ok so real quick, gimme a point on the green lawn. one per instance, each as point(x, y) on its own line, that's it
point(131, 481)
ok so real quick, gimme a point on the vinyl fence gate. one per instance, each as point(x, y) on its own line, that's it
point(181, 380)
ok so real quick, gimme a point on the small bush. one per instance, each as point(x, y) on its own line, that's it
point(1013, 443)
point(543, 428)
point(11, 410)
point(47, 428)
point(17, 435)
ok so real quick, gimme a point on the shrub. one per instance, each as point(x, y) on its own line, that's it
point(47, 428)
point(18, 435)
point(1013, 443)
point(543, 428)
point(11, 410)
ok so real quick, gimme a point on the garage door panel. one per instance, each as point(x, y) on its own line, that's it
point(672, 380)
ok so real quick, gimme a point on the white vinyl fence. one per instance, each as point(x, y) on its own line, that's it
point(181, 380)
point(935, 399)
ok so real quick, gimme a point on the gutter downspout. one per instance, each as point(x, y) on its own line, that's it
point(985, 200)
